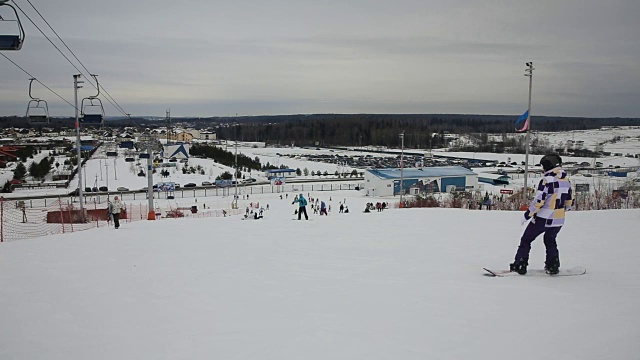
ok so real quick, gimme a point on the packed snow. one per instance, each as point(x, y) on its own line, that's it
point(397, 284)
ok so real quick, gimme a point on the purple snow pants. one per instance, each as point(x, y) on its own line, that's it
point(534, 230)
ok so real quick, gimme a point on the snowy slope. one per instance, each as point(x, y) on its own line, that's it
point(401, 284)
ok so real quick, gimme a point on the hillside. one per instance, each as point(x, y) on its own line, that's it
point(400, 284)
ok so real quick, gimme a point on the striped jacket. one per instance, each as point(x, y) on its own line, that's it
point(553, 197)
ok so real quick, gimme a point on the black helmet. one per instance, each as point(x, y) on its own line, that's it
point(549, 162)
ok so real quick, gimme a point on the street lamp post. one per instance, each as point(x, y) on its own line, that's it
point(401, 166)
point(529, 74)
point(235, 175)
point(76, 86)
point(147, 145)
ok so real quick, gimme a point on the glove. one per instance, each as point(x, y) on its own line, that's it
point(525, 218)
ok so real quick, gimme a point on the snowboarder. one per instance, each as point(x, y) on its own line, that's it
point(546, 212)
point(302, 207)
point(116, 207)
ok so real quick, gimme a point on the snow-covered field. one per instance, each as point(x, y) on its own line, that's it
point(114, 173)
point(401, 284)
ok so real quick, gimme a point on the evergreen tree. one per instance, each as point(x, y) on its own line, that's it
point(20, 172)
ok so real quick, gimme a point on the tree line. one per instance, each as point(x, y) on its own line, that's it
point(421, 130)
point(223, 157)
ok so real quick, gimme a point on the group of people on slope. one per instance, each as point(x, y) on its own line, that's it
point(379, 206)
point(545, 214)
point(257, 214)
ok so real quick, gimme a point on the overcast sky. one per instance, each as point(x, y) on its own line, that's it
point(248, 57)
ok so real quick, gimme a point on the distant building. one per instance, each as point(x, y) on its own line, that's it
point(181, 136)
point(180, 151)
point(208, 135)
point(194, 132)
point(494, 179)
point(7, 154)
point(280, 173)
point(386, 182)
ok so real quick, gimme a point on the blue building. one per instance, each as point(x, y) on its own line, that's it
point(280, 173)
point(386, 182)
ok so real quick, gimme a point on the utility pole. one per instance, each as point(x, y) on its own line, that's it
point(529, 74)
point(401, 166)
point(78, 142)
point(106, 165)
point(152, 213)
point(168, 117)
point(235, 175)
point(147, 143)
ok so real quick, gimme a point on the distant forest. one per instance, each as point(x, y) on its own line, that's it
point(355, 129)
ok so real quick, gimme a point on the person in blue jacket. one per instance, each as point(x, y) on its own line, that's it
point(323, 208)
point(302, 203)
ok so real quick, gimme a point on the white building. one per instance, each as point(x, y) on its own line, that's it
point(386, 182)
point(207, 135)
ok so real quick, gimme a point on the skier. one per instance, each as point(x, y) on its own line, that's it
point(323, 208)
point(546, 212)
point(302, 203)
point(116, 206)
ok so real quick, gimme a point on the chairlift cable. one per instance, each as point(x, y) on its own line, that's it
point(74, 55)
point(45, 35)
point(40, 82)
point(60, 51)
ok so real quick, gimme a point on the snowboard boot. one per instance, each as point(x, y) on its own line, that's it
point(519, 266)
point(552, 266)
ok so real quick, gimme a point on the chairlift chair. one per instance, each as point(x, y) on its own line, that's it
point(92, 111)
point(37, 109)
point(10, 41)
point(95, 115)
point(38, 112)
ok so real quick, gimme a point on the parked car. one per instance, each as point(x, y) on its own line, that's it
point(94, 189)
point(206, 183)
point(87, 189)
point(176, 186)
point(122, 188)
point(104, 188)
point(190, 185)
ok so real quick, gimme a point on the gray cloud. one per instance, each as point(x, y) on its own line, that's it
point(219, 58)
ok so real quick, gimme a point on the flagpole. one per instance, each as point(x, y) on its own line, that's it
point(529, 73)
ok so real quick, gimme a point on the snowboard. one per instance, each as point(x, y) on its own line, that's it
point(576, 270)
